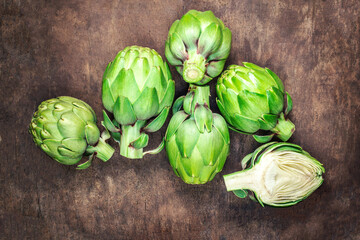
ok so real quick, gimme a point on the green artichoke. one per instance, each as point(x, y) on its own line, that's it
point(198, 45)
point(197, 140)
point(138, 90)
point(279, 175)
point(252, 98)
point(65, 128)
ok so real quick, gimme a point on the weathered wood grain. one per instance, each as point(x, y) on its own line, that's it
point(53, 48)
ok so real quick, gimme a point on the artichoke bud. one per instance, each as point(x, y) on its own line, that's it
point(279, 175)
point(197, 140)
point(198, 45)
point(65, 128)
point(253, 101)
point(137, 88)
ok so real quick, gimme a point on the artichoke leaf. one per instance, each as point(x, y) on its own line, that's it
point(125, 85)
point(75, 145)
point(177, 47)
point(189, 30)
point(141, 70)
point(245, 124)
point(289, 104)
point(170, 56)
point(123, 111)
point(246, 161)
point(86, 164)
point(187, 137)
point(221, 126)
point(268, 121)
point(108, 124)
point(223, 51)
point(178, 104)
point(203, 118)
point(107, 97)
point(157, 149)
point(141, 142)
point(70, 125)
point(276, 78)
point(147, 105)
point(276, 100)
point(187, 105)
point(158, 122)
point(168, 98)
point(252, 105)
point(92, 133)
point(209, 40)
point(240, 193)
point(215, 68)
point(253, 66)
point(175, 123)
point(263, 138)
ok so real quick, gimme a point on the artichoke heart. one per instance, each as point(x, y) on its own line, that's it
point(279, 174)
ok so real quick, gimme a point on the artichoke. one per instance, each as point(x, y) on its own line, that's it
point(252, 98)
point(198, 45)
point(65, 129)
point(138, 90)
point(197, 140)
point(279, 175)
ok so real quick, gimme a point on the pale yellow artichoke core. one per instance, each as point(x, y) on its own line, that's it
point(280, 176)
point(289, 176)
point(192, 74)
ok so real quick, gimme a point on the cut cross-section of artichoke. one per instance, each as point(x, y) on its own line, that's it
point(281, 174)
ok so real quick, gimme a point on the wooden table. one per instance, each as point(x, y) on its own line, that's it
point(54, 48)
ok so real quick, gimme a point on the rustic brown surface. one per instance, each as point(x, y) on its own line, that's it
point(53, 48)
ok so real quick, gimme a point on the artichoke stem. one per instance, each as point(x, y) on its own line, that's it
point(245, 179)
point(201, 96)
point(103, 150)
point(284, 128)
point(129, 134)
point(194, 68)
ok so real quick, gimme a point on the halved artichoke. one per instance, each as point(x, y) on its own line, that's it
point(279, 175)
